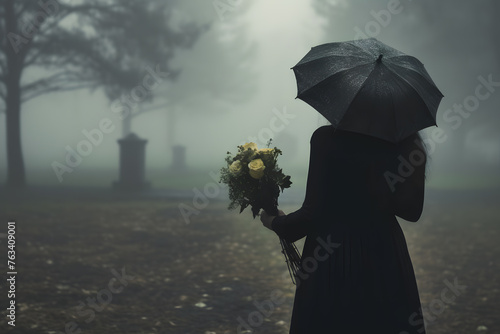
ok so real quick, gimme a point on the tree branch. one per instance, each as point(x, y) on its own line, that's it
point(57, 88)
point(63, 80)
point(49, 22)
point(40, 83)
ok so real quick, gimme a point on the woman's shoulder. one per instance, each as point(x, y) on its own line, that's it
point(328, 136)
point(320, 130)
point(344, 138)
point(323, 132)
point(329, 131)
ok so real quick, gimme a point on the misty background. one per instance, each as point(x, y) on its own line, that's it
point(235, 75)
point(208, 76)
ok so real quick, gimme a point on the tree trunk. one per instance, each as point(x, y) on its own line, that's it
point(16, 176)
point(126, 125)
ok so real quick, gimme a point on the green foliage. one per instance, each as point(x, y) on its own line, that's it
point(245, 189)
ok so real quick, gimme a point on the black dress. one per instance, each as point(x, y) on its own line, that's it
point(356, 276)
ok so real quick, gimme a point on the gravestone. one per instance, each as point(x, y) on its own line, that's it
point(132, 163)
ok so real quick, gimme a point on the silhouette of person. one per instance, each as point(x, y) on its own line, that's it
point(356, 274)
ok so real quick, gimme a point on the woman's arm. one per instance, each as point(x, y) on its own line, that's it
point(408, 195)
point(296, 225)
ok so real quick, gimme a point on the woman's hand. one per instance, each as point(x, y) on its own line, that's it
point(267, 219)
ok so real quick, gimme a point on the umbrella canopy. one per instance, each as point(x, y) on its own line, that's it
point(368, 87)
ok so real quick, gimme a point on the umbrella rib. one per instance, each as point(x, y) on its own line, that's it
point(410, 69)
point(413, 88)
point(356, 95)
point(322, 58)
point(331, 77)
point(414, 71)
point(427, 109)
point(360, 48)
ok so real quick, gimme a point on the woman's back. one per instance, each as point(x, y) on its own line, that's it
point(356, 273)
point(360, 176)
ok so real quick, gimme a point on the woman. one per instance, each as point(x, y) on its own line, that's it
point(356, 275)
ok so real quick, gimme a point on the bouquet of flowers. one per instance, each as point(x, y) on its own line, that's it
point(254, 179)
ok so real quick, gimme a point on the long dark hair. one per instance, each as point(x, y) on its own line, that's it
point(410, 147)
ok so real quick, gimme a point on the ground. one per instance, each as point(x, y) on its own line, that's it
point(220, 270)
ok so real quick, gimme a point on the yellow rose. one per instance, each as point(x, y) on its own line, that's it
point(235, 167)
point(250, 146)
point(266, 150)
point(256, 168)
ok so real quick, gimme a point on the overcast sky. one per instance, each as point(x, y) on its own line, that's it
point(248, 52)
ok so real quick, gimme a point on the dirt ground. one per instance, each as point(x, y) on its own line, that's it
point(135, 266)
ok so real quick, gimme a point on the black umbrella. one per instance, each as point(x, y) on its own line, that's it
point(368, 87)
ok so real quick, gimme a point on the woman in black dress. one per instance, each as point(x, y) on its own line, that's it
point(356, 275)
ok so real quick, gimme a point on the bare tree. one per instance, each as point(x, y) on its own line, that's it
point(220, 77)
point(67, 45)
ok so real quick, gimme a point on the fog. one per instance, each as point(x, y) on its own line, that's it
point(153, 245)
point(237, 77)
